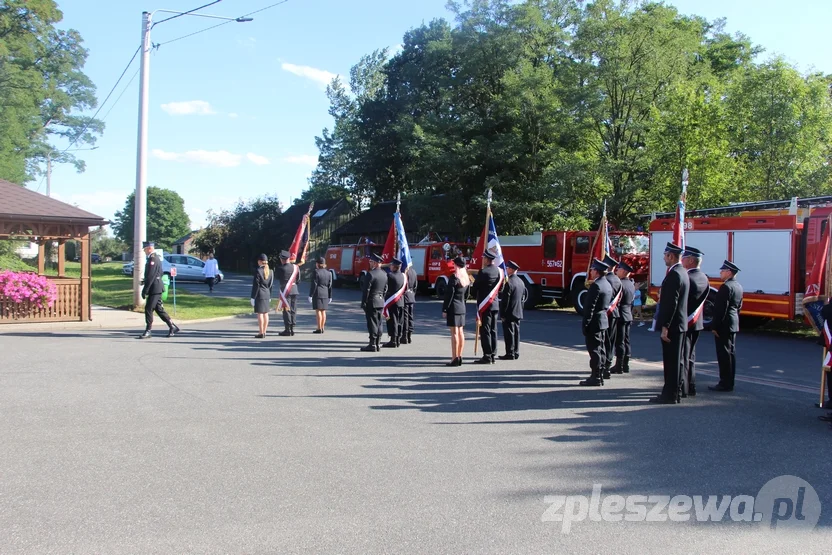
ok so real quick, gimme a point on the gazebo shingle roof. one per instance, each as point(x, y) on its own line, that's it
point(17, 202)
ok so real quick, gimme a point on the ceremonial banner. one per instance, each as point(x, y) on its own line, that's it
point(400, 250)
point(602, 245)
point(816, 282)
point(300, 244)
point(491, 242)
point(679, 226)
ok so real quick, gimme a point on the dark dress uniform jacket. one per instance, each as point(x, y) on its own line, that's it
point(673, 302)
point(261, 290)
point(484, 283)
point(454, 297)
point(153, 276)
point(284, 274)
point(511, 298)
point(395, 281)
point(321, 287)
point(727, 307)
point(375, 284)
point(597, 302)
point(698, 292)
point(625, 306)
point(615, 283)
point(412, 284)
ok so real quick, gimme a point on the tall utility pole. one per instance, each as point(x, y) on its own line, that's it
point(140, 200)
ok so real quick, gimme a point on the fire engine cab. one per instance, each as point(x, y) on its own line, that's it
point(553, 264)
point(432, 260)
point(774, 243)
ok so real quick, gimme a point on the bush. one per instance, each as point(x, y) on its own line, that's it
point(27, 286)
point(14, 262)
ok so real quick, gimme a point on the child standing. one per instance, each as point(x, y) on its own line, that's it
point(637, 305)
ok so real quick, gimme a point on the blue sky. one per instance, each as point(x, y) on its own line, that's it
point(234, 111)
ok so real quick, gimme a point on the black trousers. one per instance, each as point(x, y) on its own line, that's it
point(289, 312)
point(511, 333)
point(726, 356)
point(407, 321)
point(595, 344)
point(609, 337)
point(672, 361)
point(689, 362)
point(373, 316)
point(622, 339)
point(394, 322)
point(210, 282)
point(488, 333)
point(154, 304)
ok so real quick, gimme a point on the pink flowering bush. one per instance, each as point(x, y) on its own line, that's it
point(28, 286)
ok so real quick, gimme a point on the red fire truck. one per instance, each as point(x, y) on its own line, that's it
point(554, 263)
point(431, 259)
point(774, 243)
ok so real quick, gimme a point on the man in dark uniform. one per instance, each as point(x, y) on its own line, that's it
point(511, 310)
point(625, 319)
point(409, 301)
point(487, 279)
point(595, 321)
point(672, 321)
point(826, 314)
point(726, 324)
point(152, 291)
point(697, 295)
point(372, 301)
point(612, 313)
point(395, 308)
point(284, 273)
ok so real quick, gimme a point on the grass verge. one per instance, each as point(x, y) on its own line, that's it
point(112, 288)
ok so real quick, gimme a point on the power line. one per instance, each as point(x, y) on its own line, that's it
point(223, 23)
point(124, 90)
point(188, 12)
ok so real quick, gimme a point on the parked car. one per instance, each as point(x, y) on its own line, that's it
point(188, 268)
point(96, 258)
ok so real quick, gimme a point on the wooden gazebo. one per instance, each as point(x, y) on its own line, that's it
point(30, 216)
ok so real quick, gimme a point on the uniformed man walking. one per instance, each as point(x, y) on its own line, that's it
point(511, 310)
point(394, 303)
point(726, 324)
point(672, 321)
point(612, 313)
point(409, 302)
point(487, 279)
point(625, 319)
point(697, 295)
point(372, 301)
point(286, 273)
point(595, 322)
point(152, 291)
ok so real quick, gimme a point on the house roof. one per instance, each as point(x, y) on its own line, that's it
point(22, 204)
point(184, 239)
point(296, 211)
point(375, 219)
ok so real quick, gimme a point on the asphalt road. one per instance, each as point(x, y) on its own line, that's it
point(215, 442)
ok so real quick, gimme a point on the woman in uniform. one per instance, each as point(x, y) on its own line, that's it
point(453, 309)
point(320, 293)
point(261, 294)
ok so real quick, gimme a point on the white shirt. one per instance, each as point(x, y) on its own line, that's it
point(211, 268)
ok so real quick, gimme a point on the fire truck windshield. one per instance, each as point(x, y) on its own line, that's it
point(630, 244)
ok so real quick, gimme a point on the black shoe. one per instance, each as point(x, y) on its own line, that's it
point(827, 418)
point(691, 391)
point(292, 331)
point(484, 360)
point(369, 348)
point(661, 400)
point(591, 382)
point(720, 387)
point(459, 361)
point(173, 330)
point(390, 345)
point(285, 333)
point(606, 375)
point(260, 336)
point(145, 335)
point(452, 363)
point(377, 348)
point(507, 357)
point(318, 331)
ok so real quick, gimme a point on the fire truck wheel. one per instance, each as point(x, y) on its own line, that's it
point(578, 294)
point(532, 297)
point(752, 322)
point(440, 288)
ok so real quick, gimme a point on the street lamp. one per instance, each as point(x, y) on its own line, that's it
point(49, 167)
point(140, 201)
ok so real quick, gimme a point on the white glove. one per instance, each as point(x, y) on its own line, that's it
point(252, 302)
point(310, 300)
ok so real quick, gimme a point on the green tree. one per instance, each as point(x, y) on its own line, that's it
point(42, 86)
point(167, 220)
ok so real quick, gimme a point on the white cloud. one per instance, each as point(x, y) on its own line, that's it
point(232, 114)
point(188, 108)
point(257, 159)
point(319, 76)
point(302, 160)
point(213, 158)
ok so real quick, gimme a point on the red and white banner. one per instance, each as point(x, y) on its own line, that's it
point(394, 299)
point(283, 303)
point(696, 314)
point(614, 303)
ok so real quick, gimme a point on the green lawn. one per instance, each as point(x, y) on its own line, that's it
point(112, 288)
